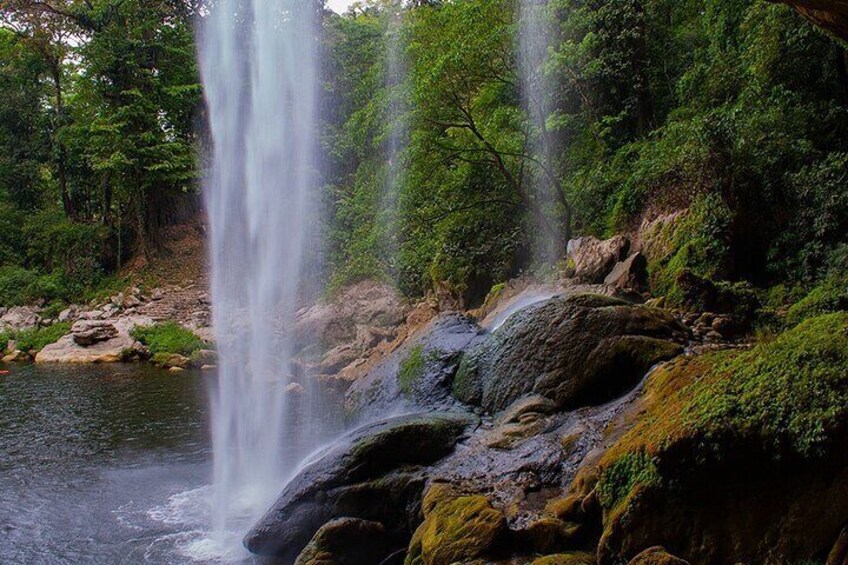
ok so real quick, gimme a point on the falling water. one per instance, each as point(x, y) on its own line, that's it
point(395, 84)
point(535, 36)
point(260, 71)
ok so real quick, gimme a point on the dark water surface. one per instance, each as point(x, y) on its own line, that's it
point(102, 464)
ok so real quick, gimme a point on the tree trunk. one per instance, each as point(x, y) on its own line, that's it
point(61, 157)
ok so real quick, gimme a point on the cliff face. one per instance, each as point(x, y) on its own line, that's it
point(831, 15)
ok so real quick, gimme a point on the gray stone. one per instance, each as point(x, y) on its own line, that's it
point(578, 350)
point(375, 473)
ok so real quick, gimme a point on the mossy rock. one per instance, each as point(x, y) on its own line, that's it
point(735, 455)
point(459, 529)
point(570, 558)
point(578, 350)
point(346, 541)
point(656, 556)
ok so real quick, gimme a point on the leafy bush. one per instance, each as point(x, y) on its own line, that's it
point(829, 296)
point(37, 338)
point(168, 337)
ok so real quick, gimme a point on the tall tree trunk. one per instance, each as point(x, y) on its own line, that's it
point(61, 157)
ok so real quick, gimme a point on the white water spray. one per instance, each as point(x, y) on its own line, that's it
point(259, 64)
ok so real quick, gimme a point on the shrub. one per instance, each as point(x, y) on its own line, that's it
point(829, 296)
point(168, 337)
point(35, 339)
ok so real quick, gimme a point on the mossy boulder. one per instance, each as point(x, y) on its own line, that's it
point(576, 350)
point(346, 541)
point(376, 473)
point(735, 455)
point(457, 529)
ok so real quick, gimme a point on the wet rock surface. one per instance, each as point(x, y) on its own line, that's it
point(376, 473)
point(419, 373)
point(580, 349)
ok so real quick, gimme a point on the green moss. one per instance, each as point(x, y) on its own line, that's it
point(465, 386)
point(411, 369)
point(457, 530)
point(168, 337)
point(623, 474)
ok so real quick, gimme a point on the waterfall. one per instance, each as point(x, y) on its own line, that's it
point(260, 69)
point(535, 36)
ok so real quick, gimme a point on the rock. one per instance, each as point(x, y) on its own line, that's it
point(114, 350)
point(333, 323)
point(208, 367)
point(831, 15)
point(419, 373)
point(20, 318)
point(592, 259)
point(656, 556)
point(176, 370)
point(548, 535)
point(346, 541)
point(375, 473)
point(736, 456)
point(17, 356)
point(294, 388)
point(523, 418)
point(131, 301)
point(632, 273)
point(203, 357)
point(839, 552)
point(89, 332)
point(457, 530)
point(578, 350)
point(11, 345)
point(171, 360)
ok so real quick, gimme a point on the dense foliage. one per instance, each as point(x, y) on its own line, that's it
point(735, 109)
point(733, 112)
point(98, 137)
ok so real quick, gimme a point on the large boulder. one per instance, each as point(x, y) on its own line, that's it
point(376, 473)
point(19, 318)
point(417, 374)
point(576, 350)
point(112, 350)
point(591, 259)
point(632, 273)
